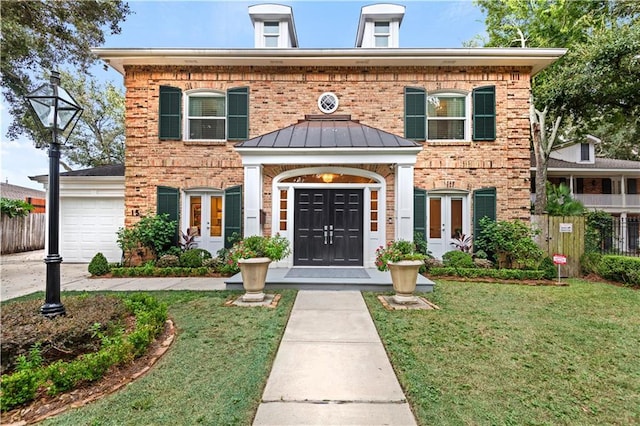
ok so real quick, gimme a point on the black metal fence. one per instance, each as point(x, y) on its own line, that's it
point(620, 236)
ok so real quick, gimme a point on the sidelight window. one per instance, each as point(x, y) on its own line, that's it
point(374, 211)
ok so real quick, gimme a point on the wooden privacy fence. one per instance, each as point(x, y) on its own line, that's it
point(562, 235)
point(23, 233)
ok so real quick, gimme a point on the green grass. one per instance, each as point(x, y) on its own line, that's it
point(214, 373)
point(507, 354)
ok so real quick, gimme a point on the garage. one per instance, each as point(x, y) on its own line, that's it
point(91, 212)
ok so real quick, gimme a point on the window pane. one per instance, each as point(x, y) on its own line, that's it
point(456, 217)
point(216, 217)
point(435, 218)
point(195, 215)
point(271, 27)
point(382, 41)
point(206, 106)
point(447, 107)
point(271, 41)
point(446, 129)
point(381, 28)
point(206, 129)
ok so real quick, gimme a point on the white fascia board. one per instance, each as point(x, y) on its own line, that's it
point(536, 59)
point(591, 171)
point(256, 156)
point(88, 186)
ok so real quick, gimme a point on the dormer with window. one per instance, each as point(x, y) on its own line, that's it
point(379, 26)
point(273, 26)
point(583, 153)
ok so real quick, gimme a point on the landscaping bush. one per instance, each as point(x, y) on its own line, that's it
point(589, 262)
point(193, 258)
point(15, 208)
point(549, 268)
point(168, 261)
point(502, 274)
point(99, 265)
point(115, 348)
point(622, 269)
point(508, 243)
point(458, 259)
point(154, 232)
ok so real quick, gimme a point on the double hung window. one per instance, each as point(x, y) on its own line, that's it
point(381, 33)
point(447, 117)
point(271, 34)
point(206, 116)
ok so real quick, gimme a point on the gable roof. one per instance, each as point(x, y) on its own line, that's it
point(103, 171)
point(600, 164)
point(328, 132)
point(15, 192)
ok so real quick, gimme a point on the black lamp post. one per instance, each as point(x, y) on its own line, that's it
point(56, 110)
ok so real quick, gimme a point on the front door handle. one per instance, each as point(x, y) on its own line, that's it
point(331, 234)
point(325, 235)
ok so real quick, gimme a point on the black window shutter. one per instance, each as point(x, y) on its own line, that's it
point(484, 205)
point(420, 212)
point(484, 113)
point(579, 186)
point(238, 113)
point(232, 213)
point(632, 186)
point(169, 202)
point(170, 117)
point(415, 114)
point(606, 186)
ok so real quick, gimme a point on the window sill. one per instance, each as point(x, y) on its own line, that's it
point(205, 142)
point(448, 143)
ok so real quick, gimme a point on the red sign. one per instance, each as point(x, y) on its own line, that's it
point(559, 259)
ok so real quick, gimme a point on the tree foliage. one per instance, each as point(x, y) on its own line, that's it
point(596, 85)
point(98, 138)
point(561, 203)
point(39, 35)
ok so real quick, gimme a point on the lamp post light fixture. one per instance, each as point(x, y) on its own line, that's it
point(57, 111)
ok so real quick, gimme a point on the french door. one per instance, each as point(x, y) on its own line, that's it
point(447, 218)
point(328, 227)
point(205, 220)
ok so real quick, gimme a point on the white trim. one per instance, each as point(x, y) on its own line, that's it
point(256, 156)
point(203, 93)
point(371, 240)
point(452, 93)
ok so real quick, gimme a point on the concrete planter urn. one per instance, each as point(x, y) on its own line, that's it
point(254, 276)
point(404, 275)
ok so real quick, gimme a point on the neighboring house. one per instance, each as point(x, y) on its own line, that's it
point(32, 196)
point(339, 150)
point(603, 184)
point(91, 212)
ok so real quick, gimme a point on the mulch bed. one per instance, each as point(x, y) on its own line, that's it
point(45, 406)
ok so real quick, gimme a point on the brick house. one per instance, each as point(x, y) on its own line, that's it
point(340, 150)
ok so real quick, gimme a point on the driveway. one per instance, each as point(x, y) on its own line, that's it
point(25, 273)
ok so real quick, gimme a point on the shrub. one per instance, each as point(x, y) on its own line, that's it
point(598, 232)
point(193, 258)
point(502, 274)
point(621, 269)
point(15, 208)
point(168, 261)
point(589, 262)
point(115, 348)
point(549, 268)
point(99, 265)
point(433, 263)
point(155, 232)
point(512, 242)
point(458, 259)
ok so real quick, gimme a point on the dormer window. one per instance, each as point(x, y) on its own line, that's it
point(585, 152)
point(381, 33)
point(271, 34)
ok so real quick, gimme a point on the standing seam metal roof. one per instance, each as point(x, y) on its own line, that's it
point(328, 133)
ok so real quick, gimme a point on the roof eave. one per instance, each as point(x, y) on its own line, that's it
point(536, 59)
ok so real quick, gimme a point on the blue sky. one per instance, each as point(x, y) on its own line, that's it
point(226, 24)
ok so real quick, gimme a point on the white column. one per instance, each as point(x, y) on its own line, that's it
point(252, 199)
point(404, 202)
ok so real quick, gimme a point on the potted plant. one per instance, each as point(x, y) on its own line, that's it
point(403, 261)
point(253, 256)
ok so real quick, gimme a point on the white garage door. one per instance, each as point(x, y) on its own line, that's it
point(89, 226)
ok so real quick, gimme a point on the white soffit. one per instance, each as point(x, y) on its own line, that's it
point(537, 59)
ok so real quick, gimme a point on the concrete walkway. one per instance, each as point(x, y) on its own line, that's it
point(331, 368)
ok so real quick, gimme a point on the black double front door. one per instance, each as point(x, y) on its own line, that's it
point(328, 227)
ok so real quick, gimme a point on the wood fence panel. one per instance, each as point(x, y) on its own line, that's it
point(562, 235)
point(22, 233)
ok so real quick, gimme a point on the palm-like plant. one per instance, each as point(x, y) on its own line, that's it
point(561, 203)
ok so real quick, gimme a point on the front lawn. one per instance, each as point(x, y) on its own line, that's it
point(509, 354)
point(213, 374)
